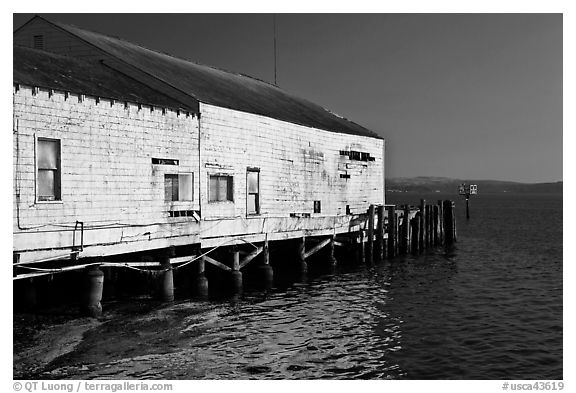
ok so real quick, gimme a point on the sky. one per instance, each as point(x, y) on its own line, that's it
point(468, 96)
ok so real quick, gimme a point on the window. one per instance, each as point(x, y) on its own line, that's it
point(221, 187)
point(253, 191)
point(48, 164)
point(317, 208)
point(164, 161)
point(178, 187)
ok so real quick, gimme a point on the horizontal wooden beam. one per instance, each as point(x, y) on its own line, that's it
point(317, 248)
point(250, 257)
point(182, 259)
point(130, 264)
point(216, 263)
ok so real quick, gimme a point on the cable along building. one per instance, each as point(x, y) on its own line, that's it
point(121, 149)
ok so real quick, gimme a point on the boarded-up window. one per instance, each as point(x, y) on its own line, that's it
point(48, 164)
point(253, 191)
point(178, 187)
point(221, 188)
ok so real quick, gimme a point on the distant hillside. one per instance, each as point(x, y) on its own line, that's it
point(447, 185)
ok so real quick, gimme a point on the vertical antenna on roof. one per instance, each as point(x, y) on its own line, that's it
point(274, 22)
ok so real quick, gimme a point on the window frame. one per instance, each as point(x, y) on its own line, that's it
point(248, 193)
point(229, 188)
point(179, 183)
point(57, 172)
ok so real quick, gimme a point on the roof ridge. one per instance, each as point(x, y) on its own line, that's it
point(65, 25)
point(286, 106)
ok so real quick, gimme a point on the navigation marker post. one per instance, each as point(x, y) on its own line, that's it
point(467, 190)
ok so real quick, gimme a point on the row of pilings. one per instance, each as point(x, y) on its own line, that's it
point(410, 229)
point(384, 232)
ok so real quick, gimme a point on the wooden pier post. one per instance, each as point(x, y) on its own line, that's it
point(201, 282)
point(440, 223)
point(455, 236)
point(236, 274)
point(165, 289)
point(380, 233)
point(362, 245)
point(391, 231)
point(28, 297)
point(428, 226)
point(436, 237)
point(93, 285)
point(406, 248)
point(416, 233)
point(302, 265)
point(267, 272)
point(331, 251)
point(448, 223)
point(397, 233)
point(422, 235)
point(370, 243)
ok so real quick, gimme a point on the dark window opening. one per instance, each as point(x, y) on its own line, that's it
point(357, 155)
point(344, 176)
point(221, 188)
point(178, 187)
point(181, 213)
point(253, 191)
point(38, 42)
point(48, 164)
point(348, 210)
point(317, 208)
point(164, 161)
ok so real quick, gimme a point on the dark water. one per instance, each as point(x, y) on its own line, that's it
point(489, 309)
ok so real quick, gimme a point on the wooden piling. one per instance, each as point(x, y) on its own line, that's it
point(391, 210)
point(455, 235)
point(397, 233)
point(267, 272)
point(380, 230)
point(28, 296)
point(362, 246)
point(448, 223)
point(370, 234)
point(406, 231)
point(236, 274)
point(428, 226)
point(301, 248)
point(440, 223)
point(331, 251)
point(431, 225)
point(422, 234)
point(416, 233)
point(93, 286)
point(165, 289)
point(200, 288)
point(436, 236)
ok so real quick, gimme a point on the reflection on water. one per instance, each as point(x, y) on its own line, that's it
point(489, 309)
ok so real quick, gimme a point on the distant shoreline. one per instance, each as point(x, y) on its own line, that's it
point(442, 185)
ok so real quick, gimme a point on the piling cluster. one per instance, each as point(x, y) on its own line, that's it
point(383, 232)
point(393, 231)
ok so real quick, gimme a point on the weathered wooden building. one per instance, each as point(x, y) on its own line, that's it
point(119, 149)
